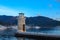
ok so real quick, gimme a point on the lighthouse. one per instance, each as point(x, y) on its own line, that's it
point(21, 22)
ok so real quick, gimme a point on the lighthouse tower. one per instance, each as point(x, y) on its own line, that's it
point(21, 22)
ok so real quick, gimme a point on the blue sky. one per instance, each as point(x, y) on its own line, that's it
point(48, 8)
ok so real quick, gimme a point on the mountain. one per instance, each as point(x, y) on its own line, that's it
point(8, 20)
point(31, 21)
point(42, 21)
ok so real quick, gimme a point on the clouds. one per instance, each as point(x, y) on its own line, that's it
point(8, 11)
point(14, 12)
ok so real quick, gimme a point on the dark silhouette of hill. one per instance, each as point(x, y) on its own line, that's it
point(8, 20)
point(31, 21)
point(42, 21)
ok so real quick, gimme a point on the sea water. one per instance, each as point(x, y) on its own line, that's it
point(54, 31)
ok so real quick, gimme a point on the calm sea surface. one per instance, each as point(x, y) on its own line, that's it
point(52, 31)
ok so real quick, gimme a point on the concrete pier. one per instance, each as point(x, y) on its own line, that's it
point(36, 36)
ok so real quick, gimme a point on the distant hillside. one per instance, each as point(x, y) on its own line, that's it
point(32, 21)
point(42, 21)
point(8, 20)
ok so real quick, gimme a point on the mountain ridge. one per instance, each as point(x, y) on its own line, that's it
point(31, 21)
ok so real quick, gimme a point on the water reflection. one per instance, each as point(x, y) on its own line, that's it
point(13, 38)
point(8, 38)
